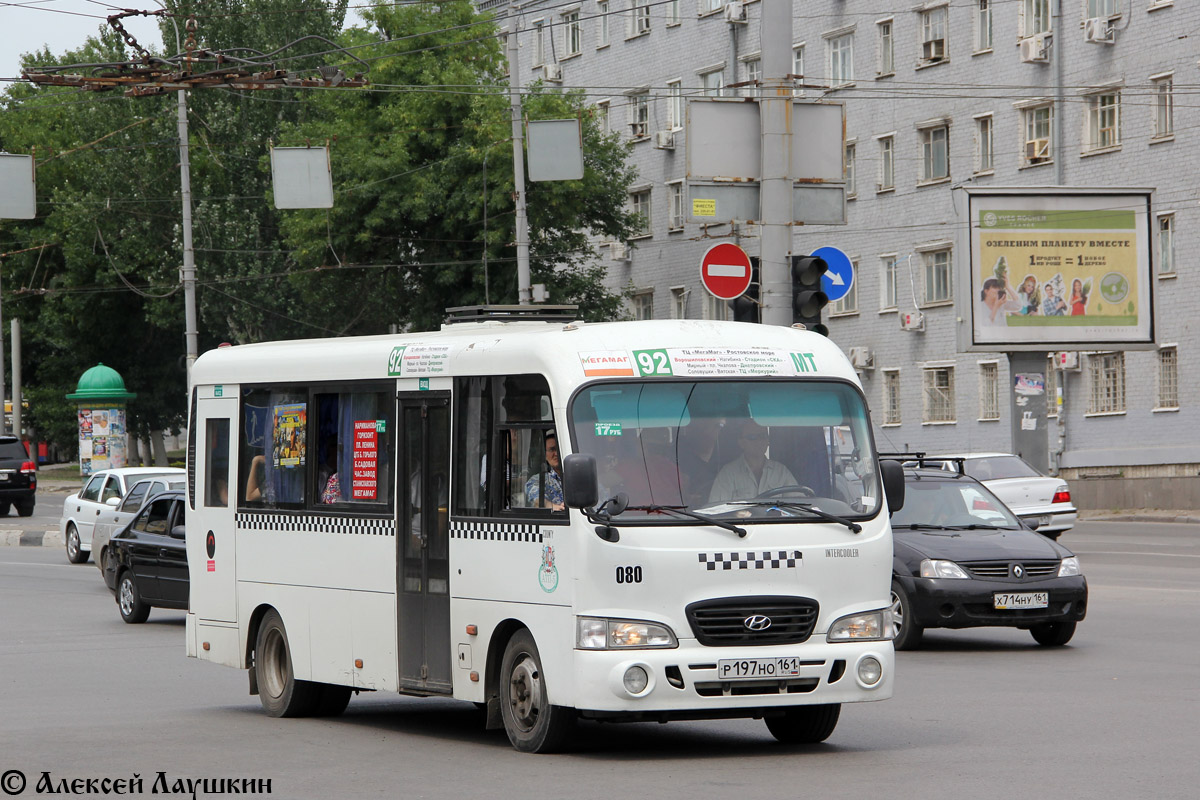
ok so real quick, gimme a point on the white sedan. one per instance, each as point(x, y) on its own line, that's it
point(102, 491)
point(114, 518)
point(1029, 494)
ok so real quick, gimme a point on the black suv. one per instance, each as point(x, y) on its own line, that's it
point(18, 477)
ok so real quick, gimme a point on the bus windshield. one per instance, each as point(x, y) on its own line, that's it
point(751, 450)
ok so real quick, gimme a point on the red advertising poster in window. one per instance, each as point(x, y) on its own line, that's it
point(366, 460)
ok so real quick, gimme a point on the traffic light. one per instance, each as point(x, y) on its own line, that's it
point(746, 308)
point(807, 297)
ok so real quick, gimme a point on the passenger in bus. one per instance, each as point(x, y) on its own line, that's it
point(751, 473)
point(552, 476)
point(697, 457)
point(257, 478)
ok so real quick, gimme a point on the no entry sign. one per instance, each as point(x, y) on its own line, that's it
point(725, 271)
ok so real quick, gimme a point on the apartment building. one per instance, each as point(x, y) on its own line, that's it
point(938, 96)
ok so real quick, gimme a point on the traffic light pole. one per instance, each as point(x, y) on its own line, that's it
point(775, 116)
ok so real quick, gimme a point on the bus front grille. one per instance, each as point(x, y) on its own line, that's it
point(742, 621)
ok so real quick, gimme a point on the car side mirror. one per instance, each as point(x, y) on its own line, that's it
point(1031, 523)
point(113, 502)
point(892, 474)
point(178, 532)
point(581, 486)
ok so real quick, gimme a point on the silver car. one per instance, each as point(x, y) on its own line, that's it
point(117, 517)
point(1032, 496)
point(101, 492)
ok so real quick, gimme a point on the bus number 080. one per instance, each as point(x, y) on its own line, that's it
point(629, 574)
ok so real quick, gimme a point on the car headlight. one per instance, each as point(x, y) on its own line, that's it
point(869, 626)
point(1069, 567)
point(598, 633)
point(937, 568)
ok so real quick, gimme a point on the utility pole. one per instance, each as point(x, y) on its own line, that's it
point(16, 379)
point(524, 291)
point(188, 273)
point(775, 115)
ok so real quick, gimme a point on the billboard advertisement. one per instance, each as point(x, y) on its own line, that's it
point(1060, 269)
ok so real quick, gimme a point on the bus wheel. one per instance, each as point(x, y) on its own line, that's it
point(332, 699)
point(532, 724)
point(278, 690)
point(75, 553)
point(805, 724)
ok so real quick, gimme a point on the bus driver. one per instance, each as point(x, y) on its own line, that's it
point(751, 473)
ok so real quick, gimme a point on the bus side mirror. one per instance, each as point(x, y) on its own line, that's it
point(581, 486)
point(893, 484)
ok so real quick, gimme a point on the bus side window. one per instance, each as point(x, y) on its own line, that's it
point(474, 432)
point(275, 457)
point(216, 460)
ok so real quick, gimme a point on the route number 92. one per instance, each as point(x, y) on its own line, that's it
point(652, 362)
point(629, 574)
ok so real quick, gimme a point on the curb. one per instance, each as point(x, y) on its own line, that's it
point(17, 538)
point(1136, 517)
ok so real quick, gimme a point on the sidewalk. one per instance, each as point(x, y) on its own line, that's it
point(1143, 515)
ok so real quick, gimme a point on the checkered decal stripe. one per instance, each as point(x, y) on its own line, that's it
point(291, 523)
point(773, 559)
point(495, 531)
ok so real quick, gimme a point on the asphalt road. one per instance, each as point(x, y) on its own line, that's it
point(978, 714)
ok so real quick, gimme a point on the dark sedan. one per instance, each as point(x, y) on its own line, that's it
point(963, 560)
point(148, 559)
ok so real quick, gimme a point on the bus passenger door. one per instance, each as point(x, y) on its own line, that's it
point(422, 492)
point(212, 496)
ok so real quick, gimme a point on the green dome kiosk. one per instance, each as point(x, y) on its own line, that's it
point(100, 399)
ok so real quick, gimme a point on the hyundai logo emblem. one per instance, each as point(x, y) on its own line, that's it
point(758, 622)
point(1018, 571)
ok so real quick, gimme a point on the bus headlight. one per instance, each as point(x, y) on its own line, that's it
point(599, 633)
point(869, 626)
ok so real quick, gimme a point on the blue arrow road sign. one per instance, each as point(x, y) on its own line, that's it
point(839, 278)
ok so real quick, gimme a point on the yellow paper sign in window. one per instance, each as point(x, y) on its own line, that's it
point(704, 208)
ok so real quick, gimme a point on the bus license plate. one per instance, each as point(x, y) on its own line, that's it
point(737, 668)
point(1018, 600)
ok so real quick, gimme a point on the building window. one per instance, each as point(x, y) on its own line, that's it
point(673, 12)
point(641, 17)
point(539, 42)
point(937, 276)
point(640, 202)
point(887, 279)
point(939, 394)
point(984, 146)
point(713, 83)
point(1106, 372)
point(887, 163)
point(679, 297)
point(639, 115)
point(935, 153)
point(798, 70)
point(841, 60)
point(891, 397)
point(1164, 107)
point(602, 118)
point(675, 209)
point(933, 36)
point(1035, 17)
point(1037, 125)
point(602, 37)
point(709, 6)
point(715, 307)
point(753, 76)
point(1103, 121)
point(1103, 8)
point(1052, 385)
point(983, 25)
point(1168, 377)
point(989, 391)
point(573, 32)
point(643, 305)
point(887, 48)
point(674, 105)
point(1166, 244)
point(851, 149)
point(849, 302)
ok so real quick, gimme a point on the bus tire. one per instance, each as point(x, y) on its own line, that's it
point(532, 724)
point(906, 632)
point(805, 724)
point(75, 552)
point(279, 692)
point(332, 699)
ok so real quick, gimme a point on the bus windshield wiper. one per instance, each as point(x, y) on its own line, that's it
point(683, 512)
point(807, 507)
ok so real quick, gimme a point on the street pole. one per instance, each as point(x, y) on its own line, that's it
point(775, 120)
point(16, 377)
point(188, 274)
point(524, 292)
point(3, 419)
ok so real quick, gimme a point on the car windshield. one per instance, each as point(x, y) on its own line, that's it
point(937, 502)
point(993, 468)
point(754, 451)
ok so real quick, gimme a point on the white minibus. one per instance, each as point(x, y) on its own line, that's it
point(553, 519)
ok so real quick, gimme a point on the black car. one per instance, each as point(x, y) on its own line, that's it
point(18, 477)
point(147, 559)
point(962, 559)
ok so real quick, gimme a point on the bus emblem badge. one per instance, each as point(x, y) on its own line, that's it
point(757, 622)
point(548, 573)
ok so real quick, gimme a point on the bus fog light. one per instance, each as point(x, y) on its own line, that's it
point(870, 671)
point(636, 680)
